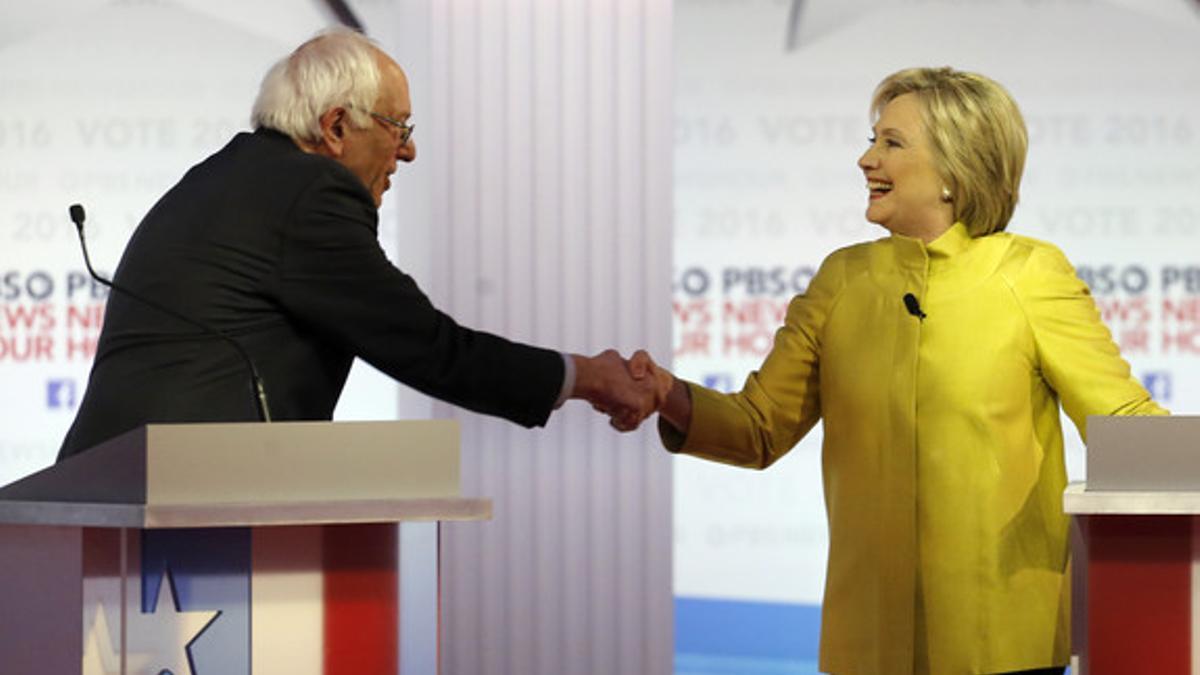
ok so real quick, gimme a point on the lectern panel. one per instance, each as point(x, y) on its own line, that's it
point(39, 586)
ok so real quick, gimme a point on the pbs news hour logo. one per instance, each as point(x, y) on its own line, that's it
point(1151, 311)
point(733, 313)
point(50, 319)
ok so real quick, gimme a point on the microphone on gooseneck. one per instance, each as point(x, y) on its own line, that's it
point(913, 307)
point(259, 393)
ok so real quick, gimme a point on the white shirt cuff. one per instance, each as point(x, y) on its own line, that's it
point(568, 384)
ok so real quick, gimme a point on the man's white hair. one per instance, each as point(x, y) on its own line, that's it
point(336, 68)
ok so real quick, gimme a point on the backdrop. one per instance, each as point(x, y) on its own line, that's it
point(107, 103)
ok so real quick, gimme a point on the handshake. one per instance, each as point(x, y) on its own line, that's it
point(628, 391)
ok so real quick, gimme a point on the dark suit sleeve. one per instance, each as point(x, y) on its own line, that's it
point(334, 277)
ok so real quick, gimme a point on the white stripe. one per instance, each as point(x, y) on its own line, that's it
point(287, 619)
point(418, 598)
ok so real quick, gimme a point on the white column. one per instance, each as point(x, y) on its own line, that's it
point(547, 134)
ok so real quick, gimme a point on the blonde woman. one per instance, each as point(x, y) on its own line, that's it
point(937, 359)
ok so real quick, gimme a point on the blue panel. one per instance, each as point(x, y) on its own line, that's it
point(729, 637)
point(210, 570)
point(746, 629)
point(699, 664)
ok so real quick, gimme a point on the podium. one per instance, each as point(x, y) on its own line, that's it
point(1137, 562)
point(229, 549)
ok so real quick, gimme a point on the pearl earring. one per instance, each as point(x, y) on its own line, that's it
point(946, 196)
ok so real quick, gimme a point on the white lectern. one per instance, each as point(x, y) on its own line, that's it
point(204, 549)
point(1139, 556)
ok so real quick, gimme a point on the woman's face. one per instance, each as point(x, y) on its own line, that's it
point(905, 189)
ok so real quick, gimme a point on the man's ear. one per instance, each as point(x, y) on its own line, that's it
point(334, 124)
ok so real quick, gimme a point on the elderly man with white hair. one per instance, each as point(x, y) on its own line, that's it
point(272, 241)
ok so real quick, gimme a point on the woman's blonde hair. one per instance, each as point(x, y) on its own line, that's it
point(978, 140)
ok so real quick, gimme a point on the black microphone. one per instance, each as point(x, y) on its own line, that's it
point(259, 393)
point(913, 307)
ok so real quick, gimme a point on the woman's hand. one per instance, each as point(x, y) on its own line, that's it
point(672, 399)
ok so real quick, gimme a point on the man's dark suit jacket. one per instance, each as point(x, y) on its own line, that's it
point(278, 249)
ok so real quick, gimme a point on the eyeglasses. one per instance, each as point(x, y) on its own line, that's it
point(406, 130)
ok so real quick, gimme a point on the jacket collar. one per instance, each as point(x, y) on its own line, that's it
point(912, 253)
point(951, 242)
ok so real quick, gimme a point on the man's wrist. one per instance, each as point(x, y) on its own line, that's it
point(584, 377)
point(570, 373)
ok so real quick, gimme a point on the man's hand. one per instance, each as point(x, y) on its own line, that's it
point(641, 366)
point(605, 381)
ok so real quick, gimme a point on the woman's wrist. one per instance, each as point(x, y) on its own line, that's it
point(677, 409)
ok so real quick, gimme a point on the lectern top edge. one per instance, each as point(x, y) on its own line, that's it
point(254, 462)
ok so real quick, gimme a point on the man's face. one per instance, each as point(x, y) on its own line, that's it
point(371, 153)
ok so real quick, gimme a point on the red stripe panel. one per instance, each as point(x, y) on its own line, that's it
point(361, 596)
point(1139, 595)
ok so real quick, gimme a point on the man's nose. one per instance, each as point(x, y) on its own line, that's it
point(407, 152)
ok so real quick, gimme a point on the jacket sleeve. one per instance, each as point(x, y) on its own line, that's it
point(780, 402)
point(334, 276)
point(1076, 354)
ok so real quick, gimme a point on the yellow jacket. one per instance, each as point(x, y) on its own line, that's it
point(943, 453)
